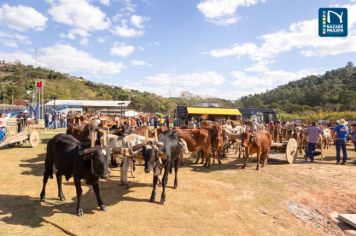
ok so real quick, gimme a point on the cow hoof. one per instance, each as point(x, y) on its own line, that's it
point(243, 167)
point(124, 184)
point(43, 198)
point(152, 199)
point(102, 207)
point(163, 201)
point(80, 212)
point(62, 198)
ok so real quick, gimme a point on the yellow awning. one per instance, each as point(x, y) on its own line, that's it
point(213, 111)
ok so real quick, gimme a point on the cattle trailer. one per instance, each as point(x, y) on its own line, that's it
point(13, 138)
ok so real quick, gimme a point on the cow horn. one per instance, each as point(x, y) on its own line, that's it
point(88, 150)
point(160, 153)
point(136, 152)
point(159, 144)
point(138, 146)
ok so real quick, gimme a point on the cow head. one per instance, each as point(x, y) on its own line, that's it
point(149, 155)
point(99, 161)
point(153, 156)
point(246, 139)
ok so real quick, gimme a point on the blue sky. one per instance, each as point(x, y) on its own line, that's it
point(216, 48)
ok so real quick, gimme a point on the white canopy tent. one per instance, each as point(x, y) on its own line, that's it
point(131, 113)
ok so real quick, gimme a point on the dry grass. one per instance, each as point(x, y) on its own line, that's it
point(223, 200)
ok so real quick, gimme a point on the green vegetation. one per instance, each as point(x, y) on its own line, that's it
point(333, 91)
point(16, 79)
point(321, 97)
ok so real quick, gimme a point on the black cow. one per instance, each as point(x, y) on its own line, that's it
point(72, 158)
point(166, 156)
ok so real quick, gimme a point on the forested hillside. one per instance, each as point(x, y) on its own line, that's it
point(333, 91)
point(16, 79)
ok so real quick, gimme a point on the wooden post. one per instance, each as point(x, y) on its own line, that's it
point(156, 138)
point(92, 138)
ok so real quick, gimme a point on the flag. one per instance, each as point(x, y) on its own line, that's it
point(39, 84)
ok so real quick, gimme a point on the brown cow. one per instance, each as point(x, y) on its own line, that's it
point(196, 139)
point(142, 130)
point(217, 142)
point(216, 139)
point(259, 143)
point(80, 132)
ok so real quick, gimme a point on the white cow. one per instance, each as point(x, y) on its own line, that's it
point(327, 138)
point(129, 141)
point(132, 140)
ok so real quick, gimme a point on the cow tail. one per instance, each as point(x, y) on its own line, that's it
point(49, 161)
point(48, 169)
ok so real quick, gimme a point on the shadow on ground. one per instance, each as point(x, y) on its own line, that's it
point(28, 211)
point(36, 165)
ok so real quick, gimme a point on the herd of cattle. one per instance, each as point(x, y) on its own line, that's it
point(88, 147)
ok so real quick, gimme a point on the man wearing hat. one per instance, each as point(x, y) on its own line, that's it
point(341, 139)
point(313, 132)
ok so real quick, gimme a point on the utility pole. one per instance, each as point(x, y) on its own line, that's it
point(42, 102)
point(36, 57)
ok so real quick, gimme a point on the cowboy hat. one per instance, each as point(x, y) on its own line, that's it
point(342, 122)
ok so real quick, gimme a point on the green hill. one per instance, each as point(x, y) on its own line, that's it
point(333, 91)
point(16, 79)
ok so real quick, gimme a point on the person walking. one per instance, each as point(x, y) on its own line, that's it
point(19, 121)
point(342, 131)
point(313, 133)
point(167, 121)
point(50, 121)
point(46, 120)
point(155, 122)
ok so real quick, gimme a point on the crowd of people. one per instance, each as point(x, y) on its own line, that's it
point(342, 131)
point(55, 120)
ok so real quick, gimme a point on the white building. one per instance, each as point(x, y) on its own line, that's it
point(93, 106)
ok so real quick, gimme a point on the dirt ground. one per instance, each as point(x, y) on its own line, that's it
point(281, 199)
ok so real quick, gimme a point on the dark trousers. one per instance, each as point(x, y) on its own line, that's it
point(310, 150)
point(341, 144)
